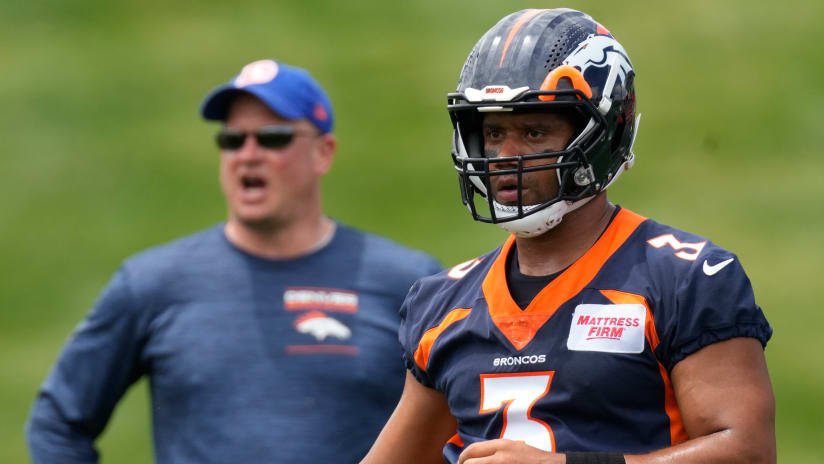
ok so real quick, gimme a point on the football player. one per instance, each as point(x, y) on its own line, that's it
point(593, 334)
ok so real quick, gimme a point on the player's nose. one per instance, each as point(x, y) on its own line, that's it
point(511, 146)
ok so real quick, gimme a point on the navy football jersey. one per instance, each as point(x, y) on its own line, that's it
point(586, 366)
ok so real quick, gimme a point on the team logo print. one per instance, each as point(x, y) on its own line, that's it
point(327, 299)
point(319, 112)
point(602, 61)
point(612, 328)
point(493, 92)
point(259, 72)
point(321, 326)
point(713, 269)
point(519, 360)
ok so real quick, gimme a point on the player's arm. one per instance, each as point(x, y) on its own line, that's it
point(95, 367)
point(417, 430)
point(727, 406)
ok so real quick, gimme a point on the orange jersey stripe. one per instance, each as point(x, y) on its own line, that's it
point(429, 337)
point(521, 21)
point(456, 440)
point(520, 326)
point(619, 297)
point(677, 431)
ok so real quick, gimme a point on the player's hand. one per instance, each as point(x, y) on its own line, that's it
point(509, 452)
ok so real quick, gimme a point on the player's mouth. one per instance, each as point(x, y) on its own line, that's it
point(506, 190)
point(253, 187)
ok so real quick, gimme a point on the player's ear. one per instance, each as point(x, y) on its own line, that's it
point(324, 153)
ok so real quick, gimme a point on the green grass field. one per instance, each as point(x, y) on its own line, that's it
point(103, 153)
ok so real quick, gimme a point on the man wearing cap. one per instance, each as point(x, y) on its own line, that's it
point(271, 337)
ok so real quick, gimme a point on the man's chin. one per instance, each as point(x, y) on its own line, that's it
point(258, 223)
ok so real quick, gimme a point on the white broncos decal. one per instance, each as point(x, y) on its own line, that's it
point(321, 326)
point(601, 51)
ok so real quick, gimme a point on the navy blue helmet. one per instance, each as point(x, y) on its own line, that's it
point(535, 61)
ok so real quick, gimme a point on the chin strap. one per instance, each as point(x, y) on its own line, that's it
point(538, 223)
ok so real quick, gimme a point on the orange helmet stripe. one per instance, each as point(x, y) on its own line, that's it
point(570, 72)
point(521, 21)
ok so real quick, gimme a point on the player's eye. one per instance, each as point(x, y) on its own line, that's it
point(493, 134)
point(534, 134)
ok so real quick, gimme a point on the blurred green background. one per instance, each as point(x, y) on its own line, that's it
point(103, 153)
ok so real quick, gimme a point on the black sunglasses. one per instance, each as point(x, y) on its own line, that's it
point(272, 137)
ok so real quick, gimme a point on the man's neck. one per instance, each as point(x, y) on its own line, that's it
point(562, 245)
point(290, 241)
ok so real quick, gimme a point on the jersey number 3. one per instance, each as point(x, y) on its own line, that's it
point(516, 394)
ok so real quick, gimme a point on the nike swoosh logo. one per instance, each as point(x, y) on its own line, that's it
point(712, 270)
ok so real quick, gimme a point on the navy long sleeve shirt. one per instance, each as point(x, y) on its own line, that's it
point(248, 359)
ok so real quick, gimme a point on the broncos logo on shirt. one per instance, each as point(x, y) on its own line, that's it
point(320, 326)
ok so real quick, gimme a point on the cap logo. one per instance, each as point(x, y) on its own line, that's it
point(320, 112)
point(258, 72)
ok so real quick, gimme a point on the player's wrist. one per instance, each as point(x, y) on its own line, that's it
point(594, 458)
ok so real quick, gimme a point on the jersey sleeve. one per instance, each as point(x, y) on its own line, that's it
point(409, 334)
point(714, 302)
point(96, 366)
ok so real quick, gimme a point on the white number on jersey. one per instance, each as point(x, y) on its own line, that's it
point(670, 240)
point(517, 393)
point(459, 271)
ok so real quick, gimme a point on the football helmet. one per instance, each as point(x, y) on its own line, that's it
point(538, 61)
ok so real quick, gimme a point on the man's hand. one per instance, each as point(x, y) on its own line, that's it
point(507, 452)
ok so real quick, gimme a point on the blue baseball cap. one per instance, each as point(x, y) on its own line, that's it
point(289, 91)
